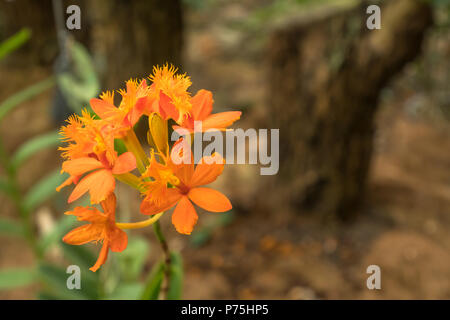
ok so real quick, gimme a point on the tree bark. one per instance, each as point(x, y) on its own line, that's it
point(325, 78)
point(125, 37)
point(129, 38)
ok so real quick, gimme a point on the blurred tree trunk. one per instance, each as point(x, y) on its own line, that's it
point(38, 17)
point(126, 37)
point(326, 75)
point(129, 38)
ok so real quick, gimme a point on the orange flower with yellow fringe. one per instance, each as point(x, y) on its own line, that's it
point(131, 108)
point(185, 182)
point(91, 153)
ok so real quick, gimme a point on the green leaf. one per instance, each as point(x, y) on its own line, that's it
point(34, 145)
point(28, 93)
point(16, 277)
point(43, 190)
point(127, 291)
point(176, 277)
point(55, 281)
point(153, 283)
point(5, 186)
point(55, 235)
point(14, 42)
point(11, 227)
point(132, 260)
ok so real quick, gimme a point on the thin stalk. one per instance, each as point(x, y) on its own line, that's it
point(131, 180)
point(167, 260)
point(140, 224)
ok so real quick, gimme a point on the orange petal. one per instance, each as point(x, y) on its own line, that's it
point(84, 234)
point(221, 120)
point(118, 240)
point(102, 108)
point(101, 257)
point(181, 152)
point(184, 216)
point(167, 108)
point(207, 173)
point(109, 206)
point(202, 104)
point(66, 183)
point(171, 198)
point(90, 214)
point(210, 199)
point(79, 166)
point(99, 184)
point(137, 111)
point(124, 163)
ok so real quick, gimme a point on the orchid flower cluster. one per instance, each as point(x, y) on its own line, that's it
point(94, 164)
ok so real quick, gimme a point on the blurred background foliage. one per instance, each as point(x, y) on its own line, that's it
point(277, 242)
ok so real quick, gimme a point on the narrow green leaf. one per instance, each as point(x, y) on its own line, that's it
point(28, 93)
point(153, 283)
point(11, 227)
point(176, 277)
point(34, 145)
point(44, 189)
point(14, 42)
point(16, 277)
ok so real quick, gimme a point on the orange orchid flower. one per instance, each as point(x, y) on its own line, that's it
point(186, 181)
point(168, 95)
point(202, 105)
point(131, 108)
point(101, 227)
point(100, 180)
point(91, 152)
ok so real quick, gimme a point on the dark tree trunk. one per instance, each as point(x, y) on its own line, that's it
point(125, 37)
point(325, 78)
point(129, 37)
point(36, 16)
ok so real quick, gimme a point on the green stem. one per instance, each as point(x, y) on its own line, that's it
point(167, 260)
